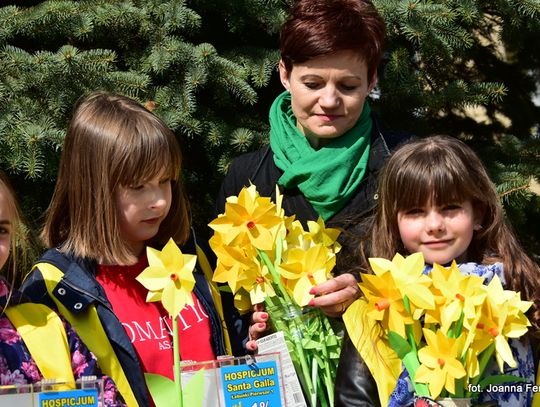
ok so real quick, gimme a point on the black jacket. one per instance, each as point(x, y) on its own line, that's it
point(354, 386)
point(258, 167)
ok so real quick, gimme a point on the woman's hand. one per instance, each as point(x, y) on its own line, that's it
point(257, 326)
point(335, 295)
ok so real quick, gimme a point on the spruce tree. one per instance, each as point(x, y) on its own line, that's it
point(466, 68)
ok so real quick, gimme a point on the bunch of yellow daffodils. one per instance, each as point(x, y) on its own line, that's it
point(267, 257)
point(446, 327)
point(262, 253)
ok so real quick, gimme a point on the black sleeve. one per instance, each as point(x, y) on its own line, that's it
point(242, 171)
point(355, 386)
point(35, 289)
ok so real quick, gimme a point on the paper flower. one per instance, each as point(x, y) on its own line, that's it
point(169, 277)
point(462, 294)
point(249, 219)
point(267, 257)
point(409, 277)
point(385, 302)
point(304, 269)
point(440, 365)
point(466, 325)
point(504, 320)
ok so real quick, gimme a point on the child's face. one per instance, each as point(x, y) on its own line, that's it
point(440, 233)
point(141, 210)
point(5, 227)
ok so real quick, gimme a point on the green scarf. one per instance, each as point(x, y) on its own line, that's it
point(328, 177)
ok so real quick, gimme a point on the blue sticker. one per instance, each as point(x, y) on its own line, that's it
point(79, 398)
point(251, 385)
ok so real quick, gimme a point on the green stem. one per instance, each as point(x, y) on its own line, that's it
point(328, 382)
point(290, 331)
point(275, 275)
point(409, 328)
point(322, 398)
point(485, 358)
point(176, 366)
point(456, 329)
point(411, 361)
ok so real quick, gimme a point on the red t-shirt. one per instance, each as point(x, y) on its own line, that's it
point(148, 325)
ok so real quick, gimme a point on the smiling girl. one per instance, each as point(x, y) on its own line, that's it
point(435, 197)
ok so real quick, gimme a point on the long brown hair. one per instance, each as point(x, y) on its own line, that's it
point(111, 141)
point(19, 260)
point(443, 169)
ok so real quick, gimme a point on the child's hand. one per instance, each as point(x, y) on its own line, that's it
point(335, 295)
point(257, 326)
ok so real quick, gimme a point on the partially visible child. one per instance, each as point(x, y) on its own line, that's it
point(25, 327)
point(435, 197)
point(118, 190)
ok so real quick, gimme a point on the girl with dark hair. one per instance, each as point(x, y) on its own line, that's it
point(435, 197)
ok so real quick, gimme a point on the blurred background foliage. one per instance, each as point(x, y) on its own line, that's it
point(466, 68)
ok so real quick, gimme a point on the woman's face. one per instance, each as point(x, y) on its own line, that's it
point(5, 226)
point(328, 94)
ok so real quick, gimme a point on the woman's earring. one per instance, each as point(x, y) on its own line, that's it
point(477, 227)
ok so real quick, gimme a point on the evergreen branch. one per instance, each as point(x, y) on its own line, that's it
point(515, 189)
point(241, 139)
point(8, 22)
point(174, 15)
point(528, 8)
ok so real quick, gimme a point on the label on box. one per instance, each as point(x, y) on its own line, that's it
point(249, 385)
point(79, 398)
point(293, 391)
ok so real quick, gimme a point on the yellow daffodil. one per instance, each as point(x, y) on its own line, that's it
point(249, 219)
point(408, 275)
point(385, 302)
point(235, 264)
point(320, 234)
point(503, 320)
point(303, 269)
point(296, 236)
point(260, 286)
point(169, 277)
point(462, 293)
point(440, 366)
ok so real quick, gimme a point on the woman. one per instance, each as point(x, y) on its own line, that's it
point(326, 147)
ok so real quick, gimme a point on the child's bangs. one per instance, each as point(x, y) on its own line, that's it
point(155, 153)
point(437, 184)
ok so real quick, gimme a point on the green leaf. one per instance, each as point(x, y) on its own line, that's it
point(409, 357)
point(161, 389)
point(499, 379)
point(399, 344)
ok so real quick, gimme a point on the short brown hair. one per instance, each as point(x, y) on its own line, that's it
point(111, 141)
point(323, 27)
